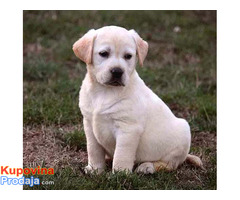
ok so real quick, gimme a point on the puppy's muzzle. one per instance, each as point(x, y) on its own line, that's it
point(116, 78)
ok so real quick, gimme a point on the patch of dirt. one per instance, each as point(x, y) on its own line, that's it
point(204, 139)
point(45, 146)
point(182, 112)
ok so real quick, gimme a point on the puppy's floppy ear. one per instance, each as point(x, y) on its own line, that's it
point(142, 46)
point(84, 46)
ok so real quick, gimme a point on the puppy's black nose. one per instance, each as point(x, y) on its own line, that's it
point(116, 72)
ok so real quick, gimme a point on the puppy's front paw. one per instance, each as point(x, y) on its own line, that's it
point(126, 171)
point(122, 167)
point(145, 168)
point(90, 170)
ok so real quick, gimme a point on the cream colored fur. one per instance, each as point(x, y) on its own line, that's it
point(129, 123)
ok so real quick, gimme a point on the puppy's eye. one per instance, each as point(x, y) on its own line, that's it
point(127, 56)
point(104, 54)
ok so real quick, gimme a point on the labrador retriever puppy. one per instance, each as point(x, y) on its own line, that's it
point(122, 117)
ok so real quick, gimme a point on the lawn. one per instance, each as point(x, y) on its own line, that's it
point(180, 67)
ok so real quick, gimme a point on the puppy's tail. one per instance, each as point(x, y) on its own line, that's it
point(194, 160)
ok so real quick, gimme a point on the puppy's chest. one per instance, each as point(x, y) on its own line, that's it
point(101, 106)
point(104, 113)
point(103, 103)
point(105, 129)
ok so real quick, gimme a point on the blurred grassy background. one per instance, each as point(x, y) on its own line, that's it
point(180, 68)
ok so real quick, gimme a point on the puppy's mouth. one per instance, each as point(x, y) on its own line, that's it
point(115, 83)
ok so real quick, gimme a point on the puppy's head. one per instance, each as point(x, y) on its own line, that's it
point(111, 54)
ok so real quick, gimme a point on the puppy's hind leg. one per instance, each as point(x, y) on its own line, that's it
point(151, 167)
point(145, 168)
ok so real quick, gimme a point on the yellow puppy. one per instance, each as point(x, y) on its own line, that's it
point(123, 118)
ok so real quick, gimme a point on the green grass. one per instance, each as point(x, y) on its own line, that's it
point(76, 139)
point(69, 179)
point(180, 68)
